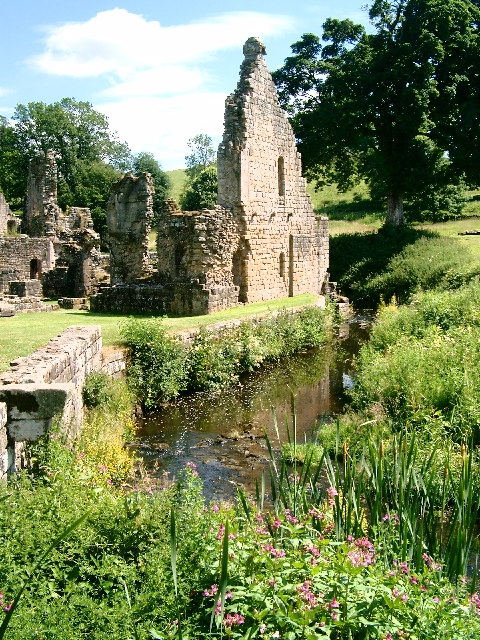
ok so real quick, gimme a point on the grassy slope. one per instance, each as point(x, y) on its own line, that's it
point(23, 333)
point(177, 178)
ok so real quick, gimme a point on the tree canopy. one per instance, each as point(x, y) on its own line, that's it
point(202, 155)
point(201, 191)
point(88, 155)
point(398, 107)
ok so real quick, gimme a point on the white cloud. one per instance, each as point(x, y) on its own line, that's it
point(4, 91)
point(163, 125)
point(121, 43)
point(156, 91)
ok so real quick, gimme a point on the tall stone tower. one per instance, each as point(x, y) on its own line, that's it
point(42, 212)
point(283, 248)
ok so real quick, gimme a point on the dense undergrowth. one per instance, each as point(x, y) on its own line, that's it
point(368, 533)
point(372, 267)
point(162, 367)
point(142, 562)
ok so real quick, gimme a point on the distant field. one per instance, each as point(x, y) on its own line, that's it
point(177, 177)
point(23, 333)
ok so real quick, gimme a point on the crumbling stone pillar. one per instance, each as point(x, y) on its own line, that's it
point(42, 212)
point(129, 216)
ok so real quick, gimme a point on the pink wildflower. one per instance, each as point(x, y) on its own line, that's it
point(306, 595)
point(275, 553)
point(332, 492)
point(232, 620)
point(208, 593)
point(291, 519)
point(193, 468)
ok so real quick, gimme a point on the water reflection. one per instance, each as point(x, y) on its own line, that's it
point(223, 432)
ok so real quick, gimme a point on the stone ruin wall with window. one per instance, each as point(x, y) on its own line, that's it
point(261, 242)
point(57, 253)
point(9, 223)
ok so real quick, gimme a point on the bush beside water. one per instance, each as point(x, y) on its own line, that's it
point(161, 366)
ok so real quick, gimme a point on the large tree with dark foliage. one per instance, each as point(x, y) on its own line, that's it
point(398, 107)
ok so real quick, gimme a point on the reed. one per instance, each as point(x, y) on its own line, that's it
point(392, 493)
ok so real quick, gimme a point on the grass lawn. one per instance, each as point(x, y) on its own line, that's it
point(23, 333)
point(453, 227)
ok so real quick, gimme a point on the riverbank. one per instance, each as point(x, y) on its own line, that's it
point(24, 333)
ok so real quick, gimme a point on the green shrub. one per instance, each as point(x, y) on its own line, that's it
point(161, 367)
point(421, 366)
point(96, 389)
point(157, 368)
point(212, 362)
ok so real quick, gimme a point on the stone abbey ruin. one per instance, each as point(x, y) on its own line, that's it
point(262, 241)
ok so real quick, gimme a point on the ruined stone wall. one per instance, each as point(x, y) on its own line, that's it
point(259, 176)
point(21, 258)
point(261, 242)
point(42, 386)
point(129, 215)
point(9, 223)
point(195, 251)
point(42, 213)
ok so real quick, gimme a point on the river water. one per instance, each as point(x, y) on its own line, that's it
point(223, 433)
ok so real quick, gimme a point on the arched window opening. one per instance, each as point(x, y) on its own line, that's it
point(281, 176)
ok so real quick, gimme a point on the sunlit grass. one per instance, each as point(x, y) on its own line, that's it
point(177, 177)
point(23, 333)
point(452, 228)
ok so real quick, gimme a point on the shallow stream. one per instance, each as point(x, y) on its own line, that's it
point(223, 433)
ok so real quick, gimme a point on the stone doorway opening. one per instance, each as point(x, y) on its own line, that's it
point(239, 273)
point(35, 269)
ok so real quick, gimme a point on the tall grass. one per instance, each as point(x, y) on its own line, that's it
point(393, 493)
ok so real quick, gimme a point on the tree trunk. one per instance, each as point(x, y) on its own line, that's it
point(394, 211)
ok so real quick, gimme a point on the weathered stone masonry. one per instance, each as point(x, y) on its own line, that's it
point(282, 251)
point(48, 384)
point(262, 241)
point(60, 251)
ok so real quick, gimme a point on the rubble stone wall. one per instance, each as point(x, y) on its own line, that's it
point(9, 223)
point(22, 257)
point(129, 215)
point(45, 385)
point(42, 212)
point(260, 178)
point(262, 241)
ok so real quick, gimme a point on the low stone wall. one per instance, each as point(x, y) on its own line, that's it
point(31, 304)
point(46, 385)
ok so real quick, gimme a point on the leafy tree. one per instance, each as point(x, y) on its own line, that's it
point(13, 166)
point(201, 192)
point(398, 107)
point(145, 161)
point(202, 155)
point(80, 138)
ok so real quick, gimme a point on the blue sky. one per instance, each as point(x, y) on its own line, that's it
point(160, 70)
